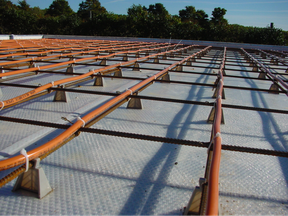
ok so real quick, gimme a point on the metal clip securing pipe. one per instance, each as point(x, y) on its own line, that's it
point(131, 92)
point(79, 118)
point(218, 134)
point(220, 98)
point(24, 153)
point(2, 105)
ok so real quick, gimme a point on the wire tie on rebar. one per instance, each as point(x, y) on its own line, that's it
point(24, 153)
point(2, 105)
point(79, 118)
point(155, 77)
point(52, 83)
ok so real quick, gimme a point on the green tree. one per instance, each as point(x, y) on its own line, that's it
point(158, 10)
point(36, 11)
point(188, 14)
point(159, 21)
point(202, 18)
point(218, 16)
point(90, 9)
point(58, 8)
point(23, 5)
point(137, 21)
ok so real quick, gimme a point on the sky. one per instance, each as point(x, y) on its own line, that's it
point(259, 13)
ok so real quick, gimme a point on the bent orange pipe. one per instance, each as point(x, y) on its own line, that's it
point(37, 152)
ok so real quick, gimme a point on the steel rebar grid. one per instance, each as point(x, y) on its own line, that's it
point(49, 146)
point(131, 96)
point(268, 73)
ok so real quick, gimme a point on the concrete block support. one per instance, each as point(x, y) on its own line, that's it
point(61, 96)
point(135, 103)
point(156, 60)
point(70, 69)
point(118, 73)
point(194, 205)
point(103, 62)
point(125, 58)
point(255, 68)
point(262, 75)
point(274, 87)
point(211, 116)
point(166, 77)
point(34, 180)
point(216, 92)
point(99, 81)
point(136, 67)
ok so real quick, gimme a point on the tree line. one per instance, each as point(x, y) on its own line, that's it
point(141, 21)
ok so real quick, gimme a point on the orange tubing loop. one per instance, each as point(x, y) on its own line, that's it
point(213, 179)
point(52, 144)
point(70, 79)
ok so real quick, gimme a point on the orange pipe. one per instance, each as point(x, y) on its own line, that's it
point(70, 43)
point(213, 179)
point(68, 62)
point(273, 77)
point(37, 152)
point(70, 79)
point(49, 51)
point(59, 55)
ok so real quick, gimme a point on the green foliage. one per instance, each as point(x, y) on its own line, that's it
point(58, 8)
point(218, 16)
point(199, 17)
point(140, 21)
point(61, 25)
point(158, 10)
point(137, 20)
point(90, 9)
point(23, 5)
